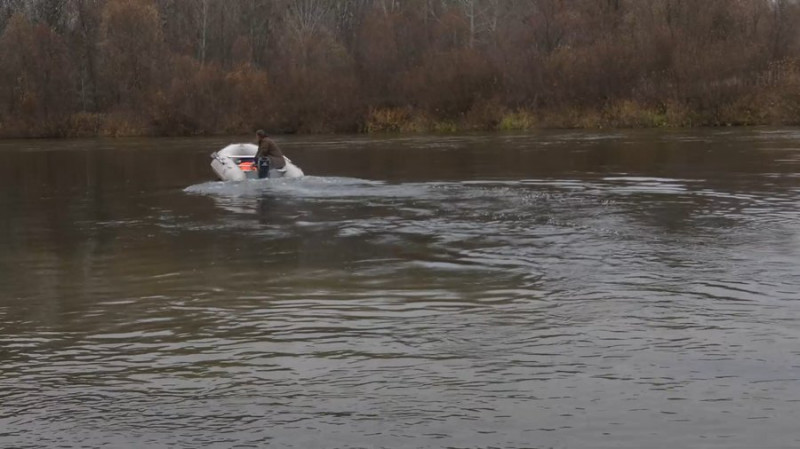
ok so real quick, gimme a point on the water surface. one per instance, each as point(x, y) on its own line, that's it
point(550, 290)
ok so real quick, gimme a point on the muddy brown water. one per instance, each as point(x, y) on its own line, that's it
point(620, 289)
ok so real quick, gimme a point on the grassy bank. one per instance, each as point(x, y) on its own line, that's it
point(771, 110)
point(766, 109)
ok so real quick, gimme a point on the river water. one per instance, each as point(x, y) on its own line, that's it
point(551, 290)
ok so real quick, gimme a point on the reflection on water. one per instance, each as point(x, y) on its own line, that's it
point(567, 290)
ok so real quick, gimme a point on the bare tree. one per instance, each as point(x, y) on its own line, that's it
point(201, 9)
point(132, 49)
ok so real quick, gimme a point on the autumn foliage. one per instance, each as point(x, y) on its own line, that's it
point(184, 67)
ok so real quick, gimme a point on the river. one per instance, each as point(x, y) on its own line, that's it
point(559, 289)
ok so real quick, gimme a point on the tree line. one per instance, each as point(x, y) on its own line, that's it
point(186, 67)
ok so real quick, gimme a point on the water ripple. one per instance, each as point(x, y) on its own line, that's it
point(580, 310)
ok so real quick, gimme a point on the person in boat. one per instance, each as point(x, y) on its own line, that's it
point(269, 155)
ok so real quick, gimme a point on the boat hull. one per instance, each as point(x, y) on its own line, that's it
point(236, 162)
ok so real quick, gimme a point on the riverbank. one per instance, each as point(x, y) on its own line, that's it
point(764, 110)
point(750, 111)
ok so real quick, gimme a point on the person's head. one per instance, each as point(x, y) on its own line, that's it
point(261, 134)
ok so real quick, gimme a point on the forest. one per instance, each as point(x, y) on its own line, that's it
point(77, 68)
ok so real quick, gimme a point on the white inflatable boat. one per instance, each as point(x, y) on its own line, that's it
point(236, 162)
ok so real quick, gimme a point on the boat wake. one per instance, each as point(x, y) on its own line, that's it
point(307, 186)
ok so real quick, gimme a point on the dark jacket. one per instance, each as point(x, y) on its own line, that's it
point(268, 148)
